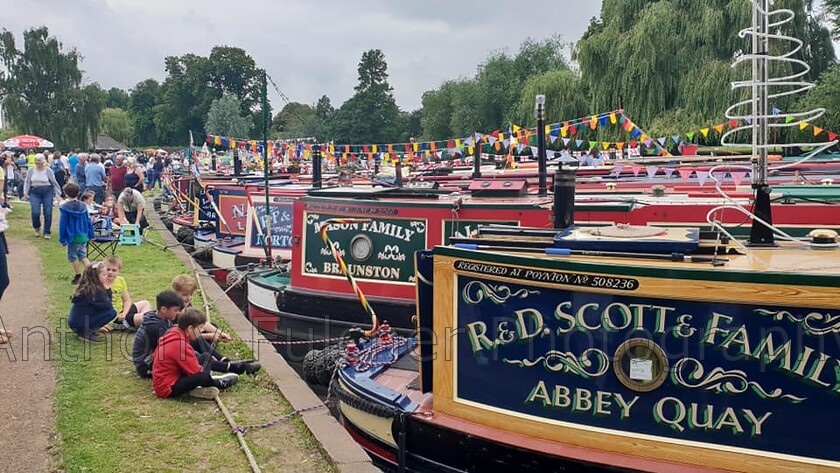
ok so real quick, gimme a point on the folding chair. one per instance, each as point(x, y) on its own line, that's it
point(104, 242)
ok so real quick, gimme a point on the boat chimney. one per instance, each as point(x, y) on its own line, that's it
point(398, 172)
point(237, 163)
point(316, 166)
point(564, 197)
point(539, 113)
point(476, 158)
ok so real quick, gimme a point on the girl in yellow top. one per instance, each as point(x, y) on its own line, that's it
point(129, 313)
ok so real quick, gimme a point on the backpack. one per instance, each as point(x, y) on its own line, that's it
point(57, 167)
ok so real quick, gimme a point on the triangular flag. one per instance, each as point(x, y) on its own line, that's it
point(789, 119)
point(619, 144)
point(592, 144)
point(553, 138)
point(702, 176)
point(803, 125)
point(647, 143)
point(733, 123)
point(705, 132)
point(617, 167)
point(606, 145)
point(603, 121)
point(566, 141)
point(564, 131)
point(832, 136)
point(669, 172)
point(738, 176)
point(719, 128)
point(661, 141)
point(690, 136)
point(634, 144)
point(593, 122)
point(817, 130)
point(578, 143)
point(685, 174)
point(651, 170)
point(676, 139)
point(636, 169)
point(612, 118)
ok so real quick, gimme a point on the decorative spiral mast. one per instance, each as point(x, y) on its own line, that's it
point(754, 113)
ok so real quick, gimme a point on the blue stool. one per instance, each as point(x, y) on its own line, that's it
point(130, 234)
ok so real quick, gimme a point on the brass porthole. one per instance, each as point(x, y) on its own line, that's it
point(640, 365)
point(361, 247)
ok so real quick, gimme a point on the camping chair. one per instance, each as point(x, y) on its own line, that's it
point(104, 241)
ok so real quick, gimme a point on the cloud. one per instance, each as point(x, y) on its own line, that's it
point(310, 48)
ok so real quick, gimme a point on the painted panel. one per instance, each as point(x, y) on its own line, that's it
point(280, 219)
point(464, 228)
point(233, 206)
point(756, 377)
point(380, 250)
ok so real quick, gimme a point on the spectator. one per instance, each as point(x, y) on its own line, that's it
point(41, 189)
point(95, 178)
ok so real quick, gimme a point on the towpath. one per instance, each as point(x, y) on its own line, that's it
point(27, 377)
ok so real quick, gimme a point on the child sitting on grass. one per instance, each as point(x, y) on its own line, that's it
point(91, 309)
point(176, 369)
point(185, 286)
point(75, 229)
point(129, 313)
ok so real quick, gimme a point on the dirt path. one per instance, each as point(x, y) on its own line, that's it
point(27, 377)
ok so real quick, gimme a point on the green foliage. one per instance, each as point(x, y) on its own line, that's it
point(194, 82)
point(295, 120)
point(141, 107)
point(371, 115)
point(656, 56)
point(116, 123)
point(117, 98)
point(826, 94)
point(225, 117)
point(42, 90)
point(565, 97)
point(495, 95)
point(6, 133)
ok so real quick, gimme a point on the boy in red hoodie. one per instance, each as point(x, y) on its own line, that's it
point(177, 371)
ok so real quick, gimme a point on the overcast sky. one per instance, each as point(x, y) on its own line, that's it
point(309, 47)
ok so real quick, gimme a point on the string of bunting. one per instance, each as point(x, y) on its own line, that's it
point(513, 141)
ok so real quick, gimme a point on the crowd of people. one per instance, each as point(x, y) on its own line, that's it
point(174, 344)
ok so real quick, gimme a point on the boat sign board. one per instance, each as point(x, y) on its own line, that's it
point(280, 221)
point(761, 379)
point(233, 209)
point(378, 249)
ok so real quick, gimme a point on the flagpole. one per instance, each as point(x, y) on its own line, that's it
point(266, 168)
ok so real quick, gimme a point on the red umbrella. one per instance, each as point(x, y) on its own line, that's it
point(27, 141)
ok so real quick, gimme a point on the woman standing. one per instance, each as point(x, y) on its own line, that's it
point(134, 176)
point(11, 175)
point(41, 189)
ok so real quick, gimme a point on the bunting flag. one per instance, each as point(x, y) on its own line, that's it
point(702, 176)
point(817, 130)
point(685, 174)
point(617, 167)
point(668, 172)
point(651, 170)
point(636, 168)
point(738, 176)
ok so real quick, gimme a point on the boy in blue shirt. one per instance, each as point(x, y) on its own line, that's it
point(75, 229)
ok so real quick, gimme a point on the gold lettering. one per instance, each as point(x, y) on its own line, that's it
point(583, 401)
point(581, 322)
point(562, 316)
point(713, 327)
point(561, 396)
point(541, 393)
point(476, 334)
point(729, 419)
point(602, 403)
point(624, 405)
point(756, 422)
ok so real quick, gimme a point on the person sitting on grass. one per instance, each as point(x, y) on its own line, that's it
point(185, 286)
point(91, 309)
point(125, 307)
point(75, 229)
point(155, 324)
point(177, 370)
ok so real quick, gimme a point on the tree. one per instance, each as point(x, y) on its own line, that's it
point(42, 92)
point(826, 95)
point(650, 56)
point(117, 98)
point(371, 115)
point(116, 123)
point(295, 120)
point(564, 93)
point(141, 107)
point(491, 98)
point(225, 117)
point(194, 82)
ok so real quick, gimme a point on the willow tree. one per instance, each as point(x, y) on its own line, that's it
point(655, 56)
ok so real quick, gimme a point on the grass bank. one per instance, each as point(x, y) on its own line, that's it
point(107, 419)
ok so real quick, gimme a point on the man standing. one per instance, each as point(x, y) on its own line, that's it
point(95, 178)
point(117, 175)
